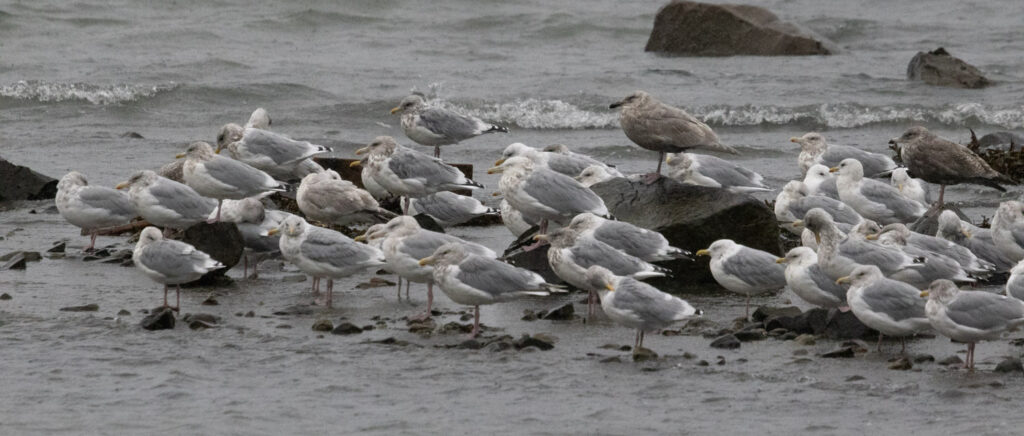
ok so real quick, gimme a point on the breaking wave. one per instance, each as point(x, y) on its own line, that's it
point(47, 92)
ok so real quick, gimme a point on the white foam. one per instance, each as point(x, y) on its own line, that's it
point(46, 92)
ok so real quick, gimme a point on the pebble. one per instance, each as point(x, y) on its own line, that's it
point(284, 326)
point(346, 328)
point(951, 360)
point(1010, 364)
point(922, 358)
point(566, 312)
point(250, 314)
point(5, 296)
point(471, 344)
point(756, 334)
point(161, 318)
point(613, 359)
point(426, 326)
point(644, 354)
point(92, 307)
point(854, 378)
point(528, 315)
point(789, 336)
point(728, 342)
point(123, 312)
point(541, 342)
point(776, 332)
point(805, 339)
point(59, 247)
point(323, 325)
point(845, 353)
point(17, 263)
point(901, 364)
point(294, 278)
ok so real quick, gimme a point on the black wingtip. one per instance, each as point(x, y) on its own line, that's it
point(497, 128)
point(471, 182)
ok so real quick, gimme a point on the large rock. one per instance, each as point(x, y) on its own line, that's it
point(222, 241)
point(21, 183)
point(1001, 141)
point(691, 217)
point(942, 69)
point(700, 29)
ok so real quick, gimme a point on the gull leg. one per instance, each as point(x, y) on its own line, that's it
point(746, 308)
point(437, 151)
point(476, 322)
point(653, 177)
point(92, 243)
point(407, 284)
point(177, 299)
point(542, 228)
point(399, 289)
point(219, 203)
point(430, 303)
point(942, 191)
point(636, 341)
point(330, 292)
point(879, 346)
point(405, 205)
point(165, 296)
point(245, 266)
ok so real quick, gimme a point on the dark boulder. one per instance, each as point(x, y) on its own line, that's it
point(691, 217)
point(940, 68)
point(222, 241)
point(689, 28)
point(161, 318)
point(822, 322)
point(21, 183)
point(727, 342)
point(1001, 141)
point(535, 260)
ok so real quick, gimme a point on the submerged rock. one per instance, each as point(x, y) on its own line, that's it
point(566, 312)
point(539, 341)
point(901, 364)
point(21, 183)
point(844, 353)
point(728, 342)
point(346, 328)
point(700, 29)
point(161, 318)
point(5, 296)
point(1010, 364)
point(222, 241)
point(92, 307)
point(1001, 141)
point(940, 68)
point(644, 354)
point(323, 325)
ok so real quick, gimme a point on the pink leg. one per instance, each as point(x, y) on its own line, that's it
point(653, 177)
point(430, 304)
point(476, 322)
point(407, 284)
point(437, 151)
point(219, 203)
point(92, 243)
point(942, 192)
point(245, 266)
point(399, 289)
point(177, 298)
point(746, 308)
point(641, 340)
point(405, 205)
point(879, 347)
point(636, 341)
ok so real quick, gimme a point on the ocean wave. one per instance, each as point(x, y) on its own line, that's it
point(47, 92)
point(557, 114)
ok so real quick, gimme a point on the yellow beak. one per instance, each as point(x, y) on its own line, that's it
point(499, 162)
point(924, 294)
point(354, 164)
point(842, 280)
point(122, 185)
point(495, 170)
point(363, 150)
point(794, 139)
point(817, 238)
point(899, 186)
point(219, 148)
point(780, 260)
point(360, 238)
point(396, 110)
point(703, 253)
point(833, 170)
point(871, 237)
point(496, 194)
point(966, 233)
point(540, 237)
point(179, 155)
point(273, 231)
point(798, 223)
point(609, 287)
point(427, 261)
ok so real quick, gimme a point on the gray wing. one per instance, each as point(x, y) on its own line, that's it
point(897, 299)
point(449, 124)
point(496, 277)
point(866, 253)
point(841, 213)
point(238, 175)
point(449, 207)
point(172, 259)
point(569, 165)
point(646, 301)
point(432, 171)
point(182, 199)
point(890, 198)
point(335, 249)
point(111, 200)
point(279, 148)
point(727, 173)
point(589, 252)
point(251, 235)
point(825, 283)
point(873, 163)
point(985, 311)
point(423, 243)
point(756, 268)
point(634, 240)
point(563, 193)
point(828, 188)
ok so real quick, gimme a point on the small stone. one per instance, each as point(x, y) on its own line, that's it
point(425, 326)
point(5, 296)
point(538, 341)
point(689, 356)
point(789, 336)
point(346, 328)
point(1010, 364)
point(210, 301)
point(644, 354)
point(751, 335)
point(16, 263)
point(843, 353)
point(123, 312)
point(613, 359)
point(498, 346)
point(1017, 342)
point(284, 326)
point(805, 339)
point(764, 312)
point(132, 135)
point(901, 364)
point(294, 278)
point(854, 378)
point(323, 325)
point(456, 328)
point(250, 314)
point(529, 315)
point(703, 363)
point(562, 313)
point(161, 318)
point(465, 317)
point(800, 352)
point(777, 332)
point(57, 248)
point(720, 361)
point(728, 342)
point(368, 327)
point(196, 324)
point(546, 338)
point(92, 307)
point(951, 360)
point(471, 344)
point(375, 282)
point(922, 358)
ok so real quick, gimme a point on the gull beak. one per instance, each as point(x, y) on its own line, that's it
point(354, 164)
point(615, 105)
point(703, 253)
point(363, 150)
point(924, 294)
point(893, 140)
point(179, 156)
point(219, 148)
point(499, 162)
point(794, 139)
point(966, 233)
point(833, 170)
point(273, 231)
point(798, 223)
point(844, 279)
point(540, 237)
point(396, 110)
point(122, 185)
point(360, 238)
point(495, 170)
point(496, 194)
point(609, 287)
point(427, 261)
point(817, 238)
point(780, 260)
point(871, 237)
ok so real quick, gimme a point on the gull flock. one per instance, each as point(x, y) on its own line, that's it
point(858, 253)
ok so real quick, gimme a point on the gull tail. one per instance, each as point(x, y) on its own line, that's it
point(383, 215)
point(554, 289)
point(679, 253)
point(473, 183)
point(496, 128)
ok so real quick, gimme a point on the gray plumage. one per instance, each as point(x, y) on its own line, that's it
point(838, 255)
point(705, 170)
point(657, 126)
point(893, 308)
point(793, 203)
point(570, 256)
point(276, 154)
point(166, 203)
point(1008, 230)
point(963, 256)
point(91, 207)
point(932, 266)
point(223, 178)
point(326, 198)
point(322, 252)
point(539, 193)
point(569, 164)
point(815, 150)
point(820, 181)
point(435, 126)
point(873, 199)
point(635, 304)
point(1015, 283)
point(978, 241)
point(449, 208)
point(805, 277)
point(914, 189)
point(642, 243)
point(971, 316)
point(407, 172)
point(170, 262)
point(940, 161)
point(744, 270)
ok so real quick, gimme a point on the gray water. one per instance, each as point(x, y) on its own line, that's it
point(76, 76)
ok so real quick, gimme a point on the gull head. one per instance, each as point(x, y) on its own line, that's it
point(585, 221)
point(601, 279)
point(861, 275)
point(717, 248)
point(941, 290)
point(557, 148)
point(950, 226)
point(679, 160)
point(259, 119)
point(513, 150)
point(72, 179)
point(811, 142)
point(849, 168)
point(910, 135)
point(149, 235)
point(447, 254)
point(141, 179)
point(198, 150)
point(381, 145)
point(593, 175)
point(410, 103)
point(293, 226)
point(230, 133)
point(637, 98)
point(817, 220)
point(512, 163)
point(799, 256)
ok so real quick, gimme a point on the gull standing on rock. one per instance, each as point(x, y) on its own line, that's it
point(274, 153)
point(170, 262)
point(222, 178)
point(934, 265)
point(636, 304)
point(805, 277)
point(819, 180)
point(432, 126)
point(408, 173)
point(657, 126)
point(642, 243)
point(448, 208)
point(321, 252)
point(971, 316)
point(912, 188)
point(166, 203)
point(563, 149)
point(570, 165)
point(943, 162)
point(889, 306)
point(969, 261)
point(91, 207)
point(473, 280)
point(326, 198)
point(815, 151)
point(978, 241)
point(705, 170)
point(543, 195)
point(744, 270)
point(873, 199)
point(1008, 230)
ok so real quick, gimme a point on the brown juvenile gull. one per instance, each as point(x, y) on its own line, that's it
point(657, 126)
point(889, 306)
point(223, 178)
point(170, 262)
point(91, 207)
point(636, 304)
point(943, 162)
point(435, 127)
point(971, 316)
point(744, 270)
point(873, 199)
point(815, 151)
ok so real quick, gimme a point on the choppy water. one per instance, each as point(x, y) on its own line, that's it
point(76, 76)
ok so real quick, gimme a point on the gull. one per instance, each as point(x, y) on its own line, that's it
point(274, 153)
point(1015, 284)
point(873, 199)
point(570, 165)
point(321, 252)
point(793, 203)
point(814, 150)
point(326, 198)
point(704, 170)
point(91, 207)
point(839, 254)
point(170, 262)
point(943, 162)
point(637, 305)
point(474, 280)
point(254, 222)
point(222, 178)
point(448, 208)
point(819, 180)
point(889, 306)
point(970, 262)
point(657, 126)
point(1008, 230)
point(971, 316)
point(978, 241)
point(912, 188)
point(166, 203)
point(543, 195)
point(934, 265)
point(595, 174)
point(564, 150)
point(744, 270)
point(639, 242)
point(513, 219)
point(805, 277)
point(432, 126)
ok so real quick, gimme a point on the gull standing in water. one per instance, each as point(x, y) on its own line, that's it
point(91, 207)
point(222, 178)
point(474, 280)
point(170, 262)
point(432, 126)
point(815, 151)
point(166, 203)
point(971, 316)
point(657, 126)
point(889, 306)
point(636, 304)
point(744, 270)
